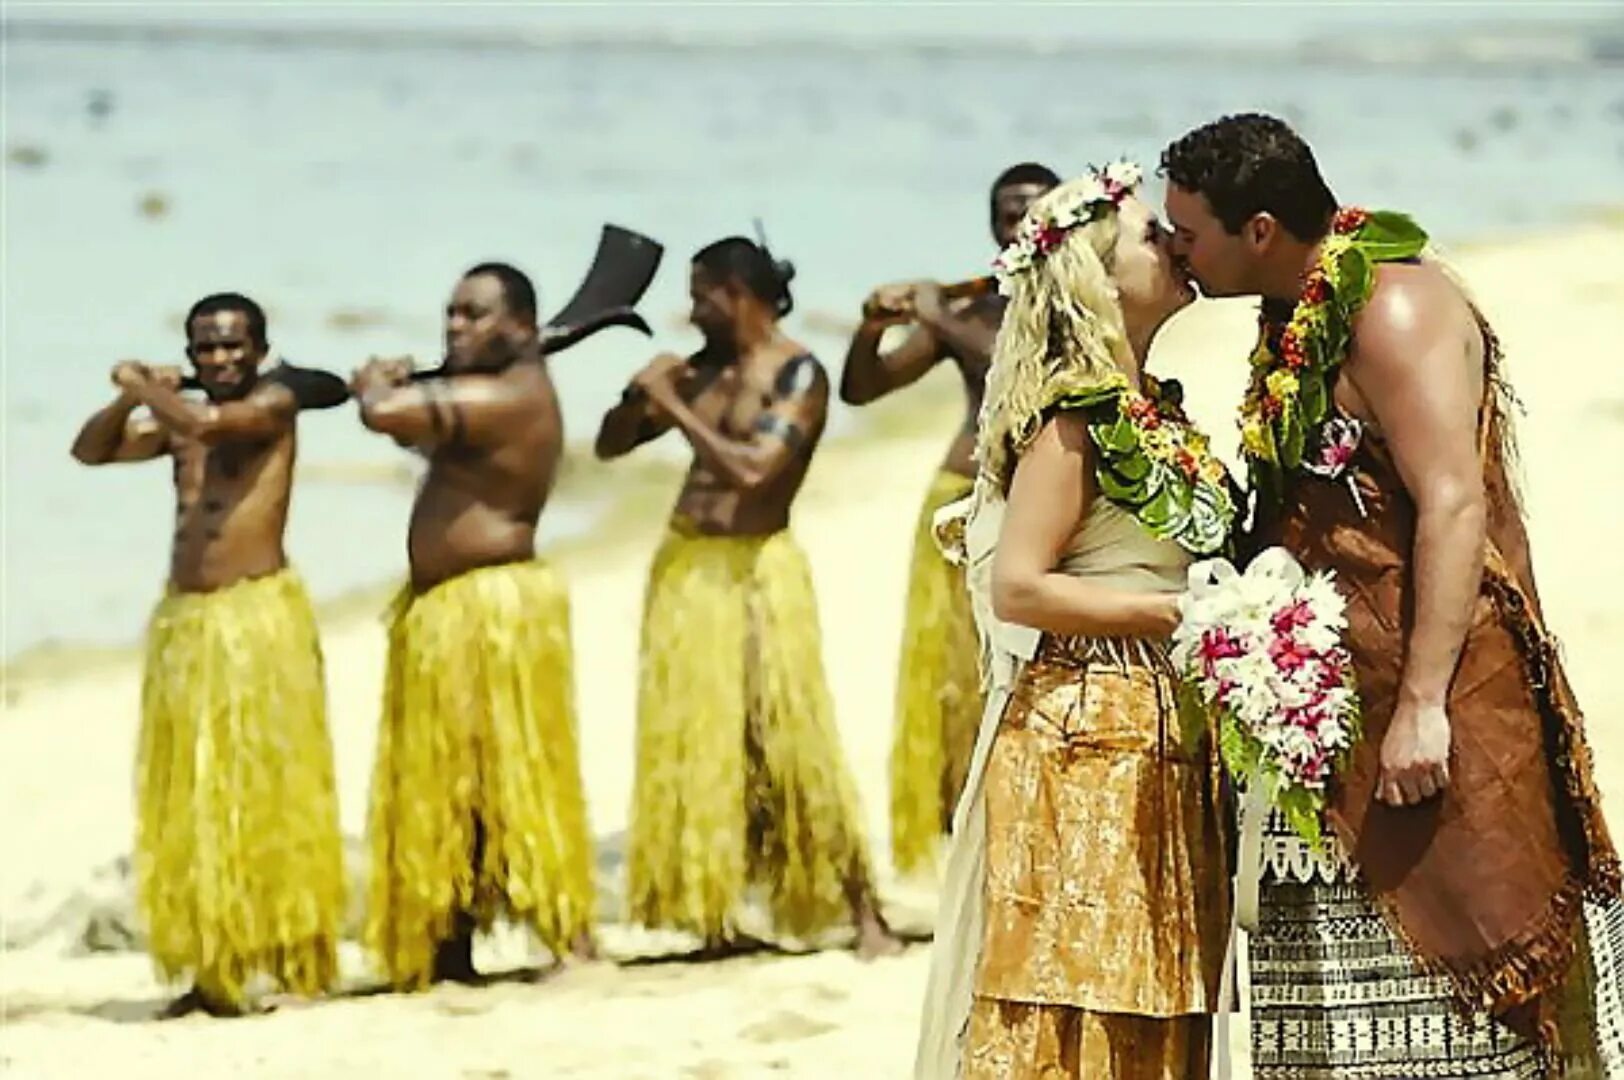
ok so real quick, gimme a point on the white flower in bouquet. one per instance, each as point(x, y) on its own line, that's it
point(1264, 650)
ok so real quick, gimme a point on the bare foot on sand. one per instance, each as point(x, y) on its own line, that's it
point(583, 948)
point(874, 937)
point(195, 1001)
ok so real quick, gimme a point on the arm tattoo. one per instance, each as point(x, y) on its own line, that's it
point(773, 426)
point(796, 377)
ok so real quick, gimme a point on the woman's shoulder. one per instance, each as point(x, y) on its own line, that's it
point(1152, 462)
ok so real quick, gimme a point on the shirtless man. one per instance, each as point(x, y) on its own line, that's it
point(938, 701)
point(740, 774)
point(238, 860)
point(477, 805)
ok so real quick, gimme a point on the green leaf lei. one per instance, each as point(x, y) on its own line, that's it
point(1294, 364)
point(1154, 464)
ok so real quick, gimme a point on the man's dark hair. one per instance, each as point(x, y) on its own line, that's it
point(215, 303)
point(1251, 164)
point(1027, 172)
point(517, 292)
point(750, 264)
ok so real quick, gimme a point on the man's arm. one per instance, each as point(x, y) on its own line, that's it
point(265, 413)
point(870, 374)
point(636, 419)
point(468, 408)
point(961, 333)
point(1410, 367)
point(113, 435)
point(800, 402)
point(628, 425)
point(1052, 490)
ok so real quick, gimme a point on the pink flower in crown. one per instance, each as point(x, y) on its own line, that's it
point(1049, 237)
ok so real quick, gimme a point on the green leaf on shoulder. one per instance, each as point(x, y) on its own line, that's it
point(1353, 280)
point(1090, 399)
point(1388, 235)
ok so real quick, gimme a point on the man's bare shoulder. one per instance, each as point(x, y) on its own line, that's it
point(799, 372)
point(1410, 298)
point(517, 389)
point(275, 397)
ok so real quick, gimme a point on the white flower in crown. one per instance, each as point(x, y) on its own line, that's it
point(1014, 259)
point(1035, 237)
point(1123, 174)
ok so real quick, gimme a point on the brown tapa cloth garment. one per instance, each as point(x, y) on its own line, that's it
point(1484, 884)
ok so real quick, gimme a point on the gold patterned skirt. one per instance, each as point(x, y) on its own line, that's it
point(1107, 888)
point(938, 692)
point(477, 806)
point(740, 775)
point(239, 866)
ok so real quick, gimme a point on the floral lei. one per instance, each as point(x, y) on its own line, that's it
point(1285, 417)
point(1155, 464)
point(1036, 237)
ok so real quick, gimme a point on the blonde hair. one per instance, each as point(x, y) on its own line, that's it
point(1062, 332)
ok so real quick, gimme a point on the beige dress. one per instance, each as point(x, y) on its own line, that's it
point(1084, 914)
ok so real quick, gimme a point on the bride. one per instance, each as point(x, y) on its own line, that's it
point(1083, 919)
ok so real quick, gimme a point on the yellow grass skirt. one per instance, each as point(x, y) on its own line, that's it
point(477, 805)
point(239, 866)
point(740, 775)
point(938, 693)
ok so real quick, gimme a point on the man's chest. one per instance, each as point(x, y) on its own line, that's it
point(224, 474)
point(733, 403)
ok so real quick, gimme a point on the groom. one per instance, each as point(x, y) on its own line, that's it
point(1445, 938)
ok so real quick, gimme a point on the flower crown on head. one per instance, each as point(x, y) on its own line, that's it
point(1037, 237)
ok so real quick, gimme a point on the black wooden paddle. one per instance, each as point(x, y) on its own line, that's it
point(617, 279)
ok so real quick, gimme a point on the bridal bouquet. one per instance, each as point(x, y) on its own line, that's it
point(1264, 651)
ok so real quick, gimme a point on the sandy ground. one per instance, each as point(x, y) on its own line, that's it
point(67, 738)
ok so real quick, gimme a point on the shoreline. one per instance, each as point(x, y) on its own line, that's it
point(1515, 41)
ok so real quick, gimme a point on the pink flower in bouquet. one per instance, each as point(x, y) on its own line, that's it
point(1217, 644)
point(1289, 654)
point(1314, 769)
point(1332, 671)
point(1264, 650)
point(1294, 616)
